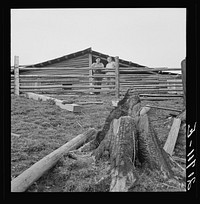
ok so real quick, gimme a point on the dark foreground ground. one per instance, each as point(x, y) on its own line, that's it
point(44, 127)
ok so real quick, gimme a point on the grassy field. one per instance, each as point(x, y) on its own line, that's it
point(43, 127)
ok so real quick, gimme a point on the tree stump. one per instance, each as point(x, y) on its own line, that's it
point(127, 137)
point(122, 155)
point(122, 109)
point(149, 151)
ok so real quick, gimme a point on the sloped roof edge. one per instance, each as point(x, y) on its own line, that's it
point(59, 59)
point(79, 53)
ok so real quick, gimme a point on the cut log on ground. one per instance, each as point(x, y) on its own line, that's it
point(70, 107)
point(91, 102)
point(172, 137)
point(15, 135)
point(182, 116)
point(173, 134)
point(182, 160)
point(114, 103)
point(24, 180)
point(127, 137)
point(164, 108)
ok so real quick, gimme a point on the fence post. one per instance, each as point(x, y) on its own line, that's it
point(90, 71)
point(183, 74)
point(16, 75)
point(117, 83)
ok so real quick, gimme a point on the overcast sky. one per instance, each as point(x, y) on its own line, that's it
point(150, 37)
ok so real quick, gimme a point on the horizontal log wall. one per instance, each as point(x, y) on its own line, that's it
point(57, 79)
point(81, 83)
point(63, 86)
point(67, 92)
point(151, 82)
point(72, 76)
point(81, 61)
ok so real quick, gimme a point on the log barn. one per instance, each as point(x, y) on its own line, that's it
point(72, 71)
point(80, 59)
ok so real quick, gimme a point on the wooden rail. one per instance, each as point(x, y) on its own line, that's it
point(63, 86)
point(66, 76)
point(81, 79)
point(136, 69)
point(63, 68)
point(63, 81)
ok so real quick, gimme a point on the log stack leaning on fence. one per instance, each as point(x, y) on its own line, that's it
point(127, 137)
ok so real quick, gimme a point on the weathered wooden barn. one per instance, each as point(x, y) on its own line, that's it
point(80, 59)
point(72, 71)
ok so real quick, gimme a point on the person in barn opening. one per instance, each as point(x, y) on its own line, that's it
point(111, 64)
point(97, 80)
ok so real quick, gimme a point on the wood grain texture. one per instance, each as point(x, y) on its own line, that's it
point(24, 180)
point(117, 77)
point(172, 137)
point(16, 75)
point(70, 107)
point(122, 154)
point(183, 70)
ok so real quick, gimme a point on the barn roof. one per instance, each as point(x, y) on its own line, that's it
point(94, 54)
point(80, 53)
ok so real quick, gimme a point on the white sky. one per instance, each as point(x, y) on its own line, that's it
point(151, 37)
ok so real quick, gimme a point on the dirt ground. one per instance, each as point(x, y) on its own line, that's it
point(44, 127)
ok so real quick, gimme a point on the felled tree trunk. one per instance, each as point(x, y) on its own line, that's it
point(128, 136)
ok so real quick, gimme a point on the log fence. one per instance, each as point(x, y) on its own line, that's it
point(146, 81)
